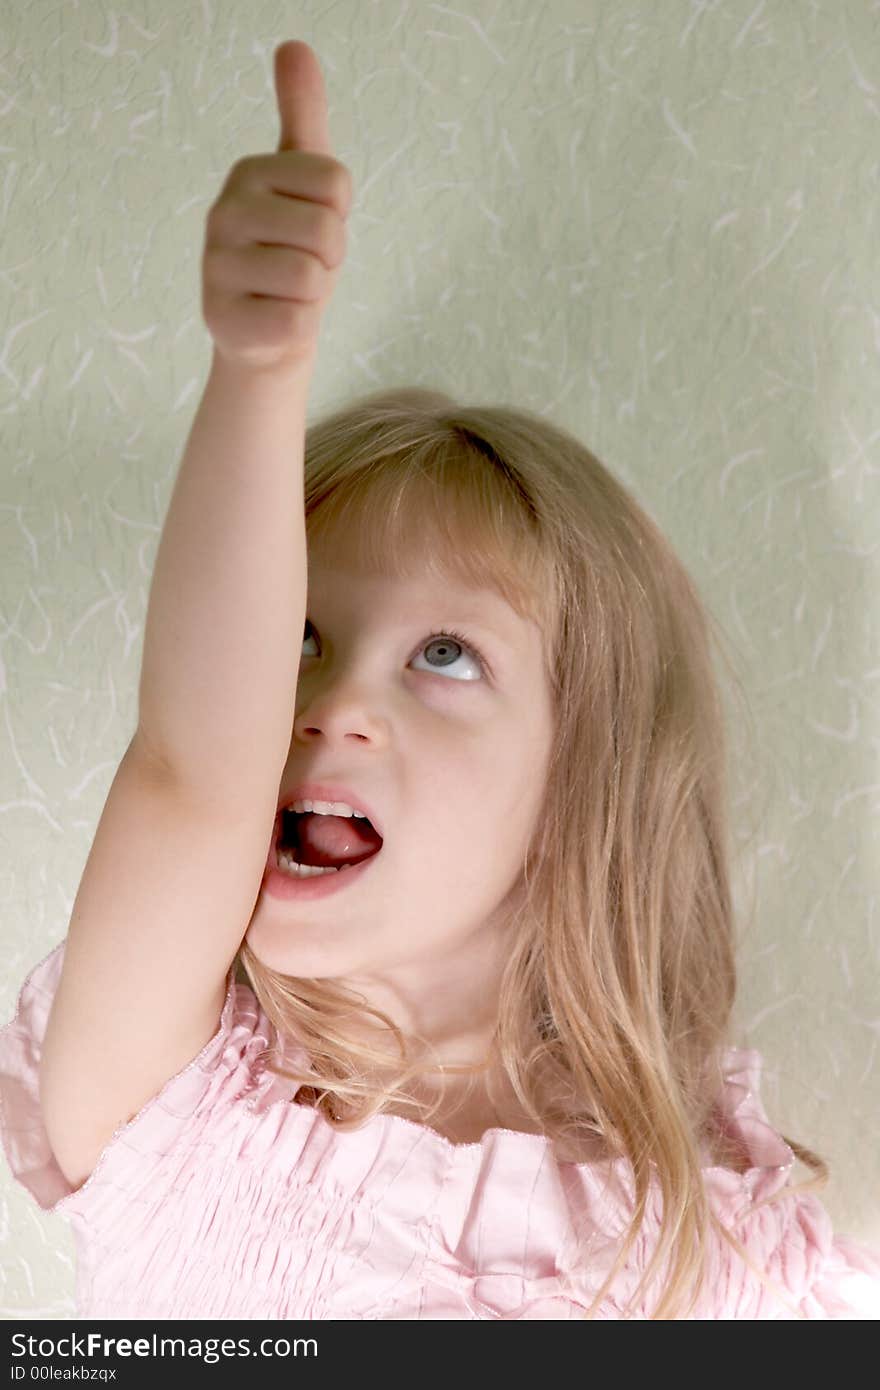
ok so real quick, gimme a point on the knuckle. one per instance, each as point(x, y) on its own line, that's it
point(330, 230)
point(336, 182)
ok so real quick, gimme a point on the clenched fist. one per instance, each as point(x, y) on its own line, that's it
point(275, 238)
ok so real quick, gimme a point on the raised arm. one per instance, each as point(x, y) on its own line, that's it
point(177, 861)
point(227, 603)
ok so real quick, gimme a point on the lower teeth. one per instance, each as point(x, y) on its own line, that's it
point(290, 866)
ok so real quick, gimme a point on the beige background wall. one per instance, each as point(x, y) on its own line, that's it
point(657, 223)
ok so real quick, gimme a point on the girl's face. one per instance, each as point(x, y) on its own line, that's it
point(449, 753)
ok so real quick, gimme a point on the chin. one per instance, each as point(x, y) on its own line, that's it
point(296, 950)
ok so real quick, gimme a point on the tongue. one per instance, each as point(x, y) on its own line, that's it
point(325, 841)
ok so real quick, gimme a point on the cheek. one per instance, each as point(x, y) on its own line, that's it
point(480, 838)
point(479, 789)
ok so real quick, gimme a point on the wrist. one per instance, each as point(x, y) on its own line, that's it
point(237, 375)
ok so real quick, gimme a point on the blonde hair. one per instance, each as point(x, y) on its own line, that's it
point(621, 976)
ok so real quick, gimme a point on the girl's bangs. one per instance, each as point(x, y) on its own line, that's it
point(448, 513)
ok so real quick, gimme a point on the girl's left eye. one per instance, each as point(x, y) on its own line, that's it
point(444, 645)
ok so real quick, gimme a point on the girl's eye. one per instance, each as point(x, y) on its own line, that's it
point(446, 651)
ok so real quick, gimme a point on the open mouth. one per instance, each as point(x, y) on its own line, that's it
point(325, 842)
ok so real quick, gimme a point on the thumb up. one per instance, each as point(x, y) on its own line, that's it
point(275, 238)
point(302, 100)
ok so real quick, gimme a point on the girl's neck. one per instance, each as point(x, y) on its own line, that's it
point(465, 1114)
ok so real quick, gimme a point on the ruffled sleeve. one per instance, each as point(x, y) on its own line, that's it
point(847, 1285)
point(25, 1141)
point(223, 1067)
point(816, 1274)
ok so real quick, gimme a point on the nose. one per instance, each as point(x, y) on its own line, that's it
point(337, 712)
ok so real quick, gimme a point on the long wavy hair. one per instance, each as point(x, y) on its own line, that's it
point(616, 1002)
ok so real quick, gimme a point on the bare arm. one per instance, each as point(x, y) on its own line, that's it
point(227, 603)
point(228, 596)
point(177, 862)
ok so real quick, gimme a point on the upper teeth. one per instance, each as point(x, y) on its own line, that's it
point(328, 808)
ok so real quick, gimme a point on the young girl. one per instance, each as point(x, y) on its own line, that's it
point(418, 1007)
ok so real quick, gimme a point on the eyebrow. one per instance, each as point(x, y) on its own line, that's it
point(453, 617)
point(458, 613)
point(499, 631)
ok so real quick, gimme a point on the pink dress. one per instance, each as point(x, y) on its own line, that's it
point(220, 1199)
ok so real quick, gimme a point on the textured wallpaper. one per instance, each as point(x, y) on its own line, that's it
point(655, 223)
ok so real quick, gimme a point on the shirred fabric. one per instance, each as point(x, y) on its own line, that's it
point(222, 1199)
